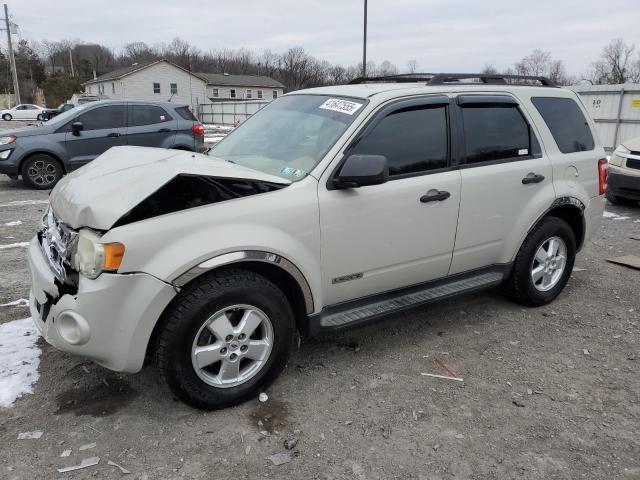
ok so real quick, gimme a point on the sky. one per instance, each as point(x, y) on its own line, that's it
point(441, 35)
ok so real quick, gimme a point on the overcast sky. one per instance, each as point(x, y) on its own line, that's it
point(441, 35)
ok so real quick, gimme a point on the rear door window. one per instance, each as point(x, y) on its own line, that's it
point(414, 140)
point(566, 122)
point(147, 115)
point(185, 113)
point(495, 132)
point(109, 116)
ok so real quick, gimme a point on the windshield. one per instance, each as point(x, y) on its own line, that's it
point(290, 136)
point(65, 116)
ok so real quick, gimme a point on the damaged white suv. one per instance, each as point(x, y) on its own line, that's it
point(329, 208)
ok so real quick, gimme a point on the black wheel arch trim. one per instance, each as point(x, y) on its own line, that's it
point(239, 257)
point(563, 201)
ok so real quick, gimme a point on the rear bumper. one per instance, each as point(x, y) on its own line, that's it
point(626, 186)
point(108, 320)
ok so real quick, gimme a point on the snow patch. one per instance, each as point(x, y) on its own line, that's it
point(19, 359)
point(607, 214)
point(14, 245)
point(13, 224)
point(23, 302)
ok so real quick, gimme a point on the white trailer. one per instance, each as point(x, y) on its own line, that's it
point(615, 109)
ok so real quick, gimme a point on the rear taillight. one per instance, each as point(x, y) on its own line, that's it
point(603, 173)
point(197, 129)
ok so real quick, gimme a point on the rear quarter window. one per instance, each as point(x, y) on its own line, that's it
point(566, 122)
point(185, 113)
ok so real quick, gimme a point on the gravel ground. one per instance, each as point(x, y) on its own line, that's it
point(548, 393)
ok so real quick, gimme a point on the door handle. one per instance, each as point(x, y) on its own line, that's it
point(164, 130)
point(532, 178)
point(113, 134)
point(435, 197)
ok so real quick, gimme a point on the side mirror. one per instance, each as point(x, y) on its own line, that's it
point(362, 170)
point(76, 128)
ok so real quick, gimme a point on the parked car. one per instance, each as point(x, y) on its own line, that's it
point(624, 174)
point(329, 208)
point(43, 154)
point(24, 111)
point(52, 112)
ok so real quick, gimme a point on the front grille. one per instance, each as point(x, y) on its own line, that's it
point(633, 163)
point(57, 241)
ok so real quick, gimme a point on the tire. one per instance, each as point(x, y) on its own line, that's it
point(223, 298)
point(41, 171)
point(616, 200)
point(40, 117)
point(7, 117)
point(520, 285)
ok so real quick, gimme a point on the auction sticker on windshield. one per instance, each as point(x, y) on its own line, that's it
point(342, 106)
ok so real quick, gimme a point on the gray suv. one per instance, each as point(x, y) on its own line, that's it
point(43, 154)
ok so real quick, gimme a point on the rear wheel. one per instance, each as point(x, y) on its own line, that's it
point(543, 264)
point(41, 171)
point(227, 337)
point(7, 117)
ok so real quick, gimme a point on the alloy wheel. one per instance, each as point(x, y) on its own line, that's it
point(42, 172)
point(549, 264)
point(232, 346)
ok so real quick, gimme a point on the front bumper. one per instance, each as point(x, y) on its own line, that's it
point(108, 320)
point(11, 164)
point(621, 185)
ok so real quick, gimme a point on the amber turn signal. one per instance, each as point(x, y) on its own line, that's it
point(113, 254)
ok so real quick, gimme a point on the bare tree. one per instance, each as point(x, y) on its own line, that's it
point(489, 69)
point(536, 63)
point(412, 66)
point(615, 64)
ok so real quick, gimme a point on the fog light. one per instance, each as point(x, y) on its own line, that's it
point(5, 154)
point(73, 328)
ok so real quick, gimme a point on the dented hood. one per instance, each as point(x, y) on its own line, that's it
point(101, 192)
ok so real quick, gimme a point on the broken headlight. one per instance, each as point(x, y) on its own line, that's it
point(91, 257)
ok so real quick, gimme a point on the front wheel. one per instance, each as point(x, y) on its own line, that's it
point(41, 171)
point(40, 117)
point(544, 263)
point(226, 337)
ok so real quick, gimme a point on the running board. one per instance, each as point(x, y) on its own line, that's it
point(345, 315)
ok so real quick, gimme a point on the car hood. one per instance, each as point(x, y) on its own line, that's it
point(28, 131)
point(119, 181)
point(632, 144)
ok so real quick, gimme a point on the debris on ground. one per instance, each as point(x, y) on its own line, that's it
point(122, 469)
point(634, 236)
point(291, 443)
point(282, 458)
point(517, 403)
point(434, 375)
point(263, 397)
point(84, 463)
point(29, 435)
point(440, 362)
point(88, 446)
point(585, 351)
point(632, 261)
point(22, 302)
point(66, 453)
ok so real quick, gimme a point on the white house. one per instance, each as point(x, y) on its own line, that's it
point(226, 87)
point(166, 81)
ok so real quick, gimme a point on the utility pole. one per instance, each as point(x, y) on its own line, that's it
point(73, 74)
point(364, 43)
point(12, 59)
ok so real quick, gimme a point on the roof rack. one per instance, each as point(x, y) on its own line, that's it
point(453, 78)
